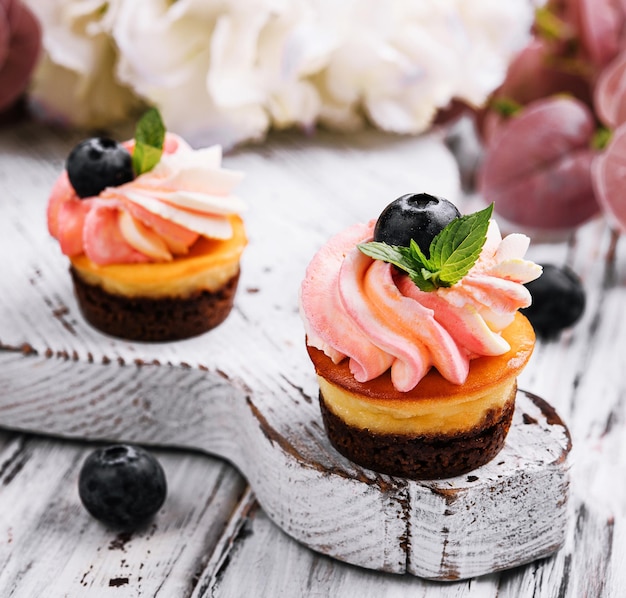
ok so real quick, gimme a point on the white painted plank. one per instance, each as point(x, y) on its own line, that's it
point(318, 497)
point(315, 190)
point(52, 547)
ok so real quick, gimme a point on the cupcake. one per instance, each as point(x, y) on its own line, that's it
point(153, 233)
point(413, 327)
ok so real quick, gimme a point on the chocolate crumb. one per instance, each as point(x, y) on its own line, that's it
point(119, 543)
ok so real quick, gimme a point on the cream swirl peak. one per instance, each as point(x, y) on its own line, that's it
point(190, 180)
point(154, 217)
point(367, 311)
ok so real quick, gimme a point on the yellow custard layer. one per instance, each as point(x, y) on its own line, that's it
point(427, 416)
point(435, 405)
point(209, 264)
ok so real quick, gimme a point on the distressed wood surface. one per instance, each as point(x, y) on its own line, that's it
point(60, 377)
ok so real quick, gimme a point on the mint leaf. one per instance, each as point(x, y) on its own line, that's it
point(149, 138)
point(456, 248)
point(453, 252)
point(413, 263)
point(393, 254)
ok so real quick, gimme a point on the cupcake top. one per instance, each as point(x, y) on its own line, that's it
point(420, 287)
point(145, 200)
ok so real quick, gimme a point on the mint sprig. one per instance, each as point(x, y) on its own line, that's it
point(453, 252)
point(149, 138)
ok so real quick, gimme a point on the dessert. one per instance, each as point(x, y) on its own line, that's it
point(153, 233)
point(417, 344)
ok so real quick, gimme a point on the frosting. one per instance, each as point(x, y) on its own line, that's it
point(209, 265)
point(365, 310)
point(154, 218)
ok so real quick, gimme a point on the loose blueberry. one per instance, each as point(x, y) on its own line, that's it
point(97, 163)
point(558, 300)
point(417, 216)
point(122, 485)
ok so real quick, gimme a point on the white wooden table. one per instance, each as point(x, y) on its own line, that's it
point(212, 538)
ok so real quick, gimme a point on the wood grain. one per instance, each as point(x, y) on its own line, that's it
point(164, 557)
point(310, 189)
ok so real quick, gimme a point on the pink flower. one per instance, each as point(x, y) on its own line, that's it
point(20, 45)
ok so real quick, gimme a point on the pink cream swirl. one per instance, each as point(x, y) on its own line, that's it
point(154, 218)
point(365, 310)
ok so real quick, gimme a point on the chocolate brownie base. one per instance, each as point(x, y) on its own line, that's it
point(421, 457)
point(154, 320)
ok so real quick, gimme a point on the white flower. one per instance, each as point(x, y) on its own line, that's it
point(74, 81)
point(226, 71)
point(405, 60)
point(494, 32)
point(168, 56)
point(222, 73)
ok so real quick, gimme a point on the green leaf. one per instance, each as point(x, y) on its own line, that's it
point(386, 253)
point(149, 138)
point(456, 248)
point(403, 258)
point(505, 107)
point(453, 252)
point(601, 138)
point(550, 26)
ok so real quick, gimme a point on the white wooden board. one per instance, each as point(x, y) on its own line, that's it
point(246, 391)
